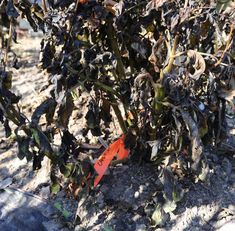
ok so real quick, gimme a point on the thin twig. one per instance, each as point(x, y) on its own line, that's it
point(135, 6)
point(8, 43)
point(44, 7)
point(119, 116)
point(228, 45)
point(186, 4)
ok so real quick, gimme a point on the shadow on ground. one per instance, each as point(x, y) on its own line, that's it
point(21, 211)
point(119, 202)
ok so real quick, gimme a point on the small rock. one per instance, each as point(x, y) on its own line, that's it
point(135, 207)
point(147, 184)
point(45, 192)
point(201, 106)
point(141, 188)
point(137, 194)
point(136, 217)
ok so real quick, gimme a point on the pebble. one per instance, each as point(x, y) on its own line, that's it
point(136, 217)
point(201, 106)
point(45, 192)
point(141, 188)
point(137, 194)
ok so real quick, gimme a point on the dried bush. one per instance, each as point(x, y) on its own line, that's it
point(159, 65)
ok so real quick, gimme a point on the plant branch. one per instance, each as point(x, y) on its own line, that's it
point(228, 45)
point(119, 116)
point(13, 115)
point(169, 66)
point(8, 43)
point(115, 48)
point(44, 7)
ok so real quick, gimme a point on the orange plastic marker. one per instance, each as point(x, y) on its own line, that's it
point(122, 152)
point(101, 165)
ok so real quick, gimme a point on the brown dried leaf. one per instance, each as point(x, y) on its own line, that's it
point(196, 142)
point(199, 64)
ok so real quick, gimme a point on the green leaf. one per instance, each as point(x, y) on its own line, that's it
point(42, 142)
point(177, 194)
point(55, 188)
point(65, 213)
point(66, 169)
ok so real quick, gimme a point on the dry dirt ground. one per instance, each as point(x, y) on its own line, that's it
point(126, 196)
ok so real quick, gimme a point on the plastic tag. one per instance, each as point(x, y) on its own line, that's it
point(116, 148)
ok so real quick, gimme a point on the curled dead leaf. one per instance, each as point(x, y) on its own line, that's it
point(196, 142)
point(199, 64)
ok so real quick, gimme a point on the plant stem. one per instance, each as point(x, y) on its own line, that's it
point(8, 43)
point(44, 7)
point(168, 68)
point(119, 116)
point(114, 46)
point(228, 45)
